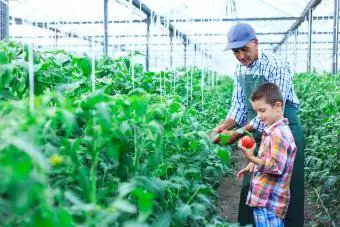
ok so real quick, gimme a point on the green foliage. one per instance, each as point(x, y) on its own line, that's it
point(134, 152)
point(320, 116)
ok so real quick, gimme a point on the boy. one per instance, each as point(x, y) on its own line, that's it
point(269, 189)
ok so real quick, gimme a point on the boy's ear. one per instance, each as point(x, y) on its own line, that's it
point(278, 105)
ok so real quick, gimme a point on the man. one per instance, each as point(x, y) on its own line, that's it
point(254, 69)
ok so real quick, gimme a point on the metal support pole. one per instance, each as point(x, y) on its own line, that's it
point(335, 37)
point(105, 27)
point(171, 35)
point(286, 50)
point(147, 60)
point(185, 55)
point(55, 38)
point(4, 19)
point(295, 49)
point(310, 26)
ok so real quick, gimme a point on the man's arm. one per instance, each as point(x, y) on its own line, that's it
point(227, 124)
point(238, 112)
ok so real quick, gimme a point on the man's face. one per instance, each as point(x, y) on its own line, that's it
point(247, 54)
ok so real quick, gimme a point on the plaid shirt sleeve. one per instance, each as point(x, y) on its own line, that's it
point(283, 78)
point(256, 124)
point(238, 110)
point(275, 157)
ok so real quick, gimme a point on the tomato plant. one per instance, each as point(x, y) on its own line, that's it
point(135, 152)
point(321, 130)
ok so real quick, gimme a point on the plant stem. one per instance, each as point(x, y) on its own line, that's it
point(137, 152)
point(324, 207)
point(93, 177)
point(193, 195)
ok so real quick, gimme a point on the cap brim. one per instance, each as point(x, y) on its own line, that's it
point(237, 44)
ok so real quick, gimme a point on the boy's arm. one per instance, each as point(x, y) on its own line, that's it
point(274, 161)
point(249, 154)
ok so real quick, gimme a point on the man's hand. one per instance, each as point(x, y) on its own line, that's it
point(227, 124)
point(219, 128)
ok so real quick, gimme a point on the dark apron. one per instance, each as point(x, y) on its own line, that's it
point(295, 215)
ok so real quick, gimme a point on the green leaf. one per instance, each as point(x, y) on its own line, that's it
point(125, 128)
point(31, 150)
point(61, 58)
point(183, 212)
point(113, 151)
point(64, 218)
point(155, 128)
point(93, 100)
point(193, 145)
point(125, 189)
point(125, 206)
point(86, 66)
point(3, 58)
point(174, 107)
point(224, 156)
point(162, 221)
point(145, 203)
point(40, 220)
point(139, 106)
point(224, 138)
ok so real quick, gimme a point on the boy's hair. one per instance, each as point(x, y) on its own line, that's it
point(269, 91)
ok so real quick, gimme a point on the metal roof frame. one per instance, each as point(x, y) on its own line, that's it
point(311, 5)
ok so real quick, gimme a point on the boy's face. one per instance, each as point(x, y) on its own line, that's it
point(267, 113)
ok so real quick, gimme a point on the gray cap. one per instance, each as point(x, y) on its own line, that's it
point(239, 35)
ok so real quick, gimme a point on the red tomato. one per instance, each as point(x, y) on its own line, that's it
point(247, 142)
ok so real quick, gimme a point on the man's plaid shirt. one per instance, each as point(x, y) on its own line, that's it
point(275, 70)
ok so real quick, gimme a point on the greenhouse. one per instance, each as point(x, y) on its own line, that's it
point(140, 112)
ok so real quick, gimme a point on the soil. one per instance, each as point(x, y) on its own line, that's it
point(229, 192)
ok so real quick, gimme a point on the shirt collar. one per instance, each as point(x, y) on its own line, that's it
point(269, 129)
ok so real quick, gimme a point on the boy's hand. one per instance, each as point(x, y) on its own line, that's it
point(242, 172)
point(251, 167)
point(249, 153)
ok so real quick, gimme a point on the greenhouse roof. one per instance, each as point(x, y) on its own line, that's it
point(204, 23)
